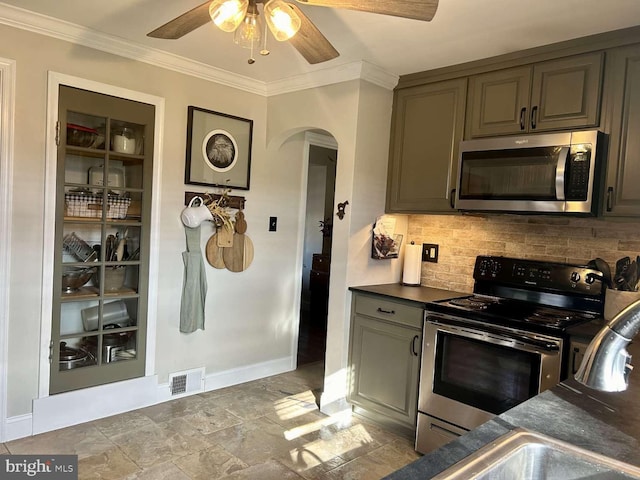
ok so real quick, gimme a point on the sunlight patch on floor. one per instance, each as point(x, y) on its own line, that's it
point(295, 405)
point(334, 444)
point(314, 426)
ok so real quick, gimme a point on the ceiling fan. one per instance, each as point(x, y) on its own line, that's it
point(285, 20)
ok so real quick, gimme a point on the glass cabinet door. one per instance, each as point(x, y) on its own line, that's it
point(102, 239)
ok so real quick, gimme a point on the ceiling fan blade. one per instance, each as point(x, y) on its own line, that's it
point(415, 9)
point(310, 42)
point(185, 23)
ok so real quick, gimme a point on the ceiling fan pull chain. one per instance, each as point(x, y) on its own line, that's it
point(265, 51)
point(251, 60)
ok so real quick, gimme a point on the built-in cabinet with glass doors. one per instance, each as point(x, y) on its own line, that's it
point(103, 204)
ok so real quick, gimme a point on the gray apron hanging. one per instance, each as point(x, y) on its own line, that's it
point(194, 285)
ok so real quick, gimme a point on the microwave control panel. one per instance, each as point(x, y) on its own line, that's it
point(577, 172)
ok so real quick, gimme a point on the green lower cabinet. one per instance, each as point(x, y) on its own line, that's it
point(384, 366)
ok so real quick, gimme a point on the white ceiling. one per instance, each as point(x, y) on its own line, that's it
point(462, 30)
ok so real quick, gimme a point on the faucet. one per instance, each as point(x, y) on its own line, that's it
point(606, 364)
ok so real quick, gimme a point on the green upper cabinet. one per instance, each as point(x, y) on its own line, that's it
point(623, 168)
point(553, 95)
point(498, 102)
point(427, 126)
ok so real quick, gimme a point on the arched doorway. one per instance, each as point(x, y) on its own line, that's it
point(322, 155)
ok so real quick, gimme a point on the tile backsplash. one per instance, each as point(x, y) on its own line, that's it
point(559, 239)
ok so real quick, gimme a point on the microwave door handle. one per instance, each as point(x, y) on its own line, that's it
point(560, 170)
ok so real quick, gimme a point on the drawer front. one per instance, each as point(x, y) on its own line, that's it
point(384, 309)
point(433, 433)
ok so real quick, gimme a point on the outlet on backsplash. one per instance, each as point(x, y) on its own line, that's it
point(430, 252)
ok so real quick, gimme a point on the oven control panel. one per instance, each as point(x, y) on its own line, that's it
point(540, 275)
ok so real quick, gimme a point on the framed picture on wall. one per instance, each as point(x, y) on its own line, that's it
point(218, 149)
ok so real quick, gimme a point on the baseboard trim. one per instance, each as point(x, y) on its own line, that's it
point(19, 426)
point(71, 408)
point(80, 406)
point(235, 376)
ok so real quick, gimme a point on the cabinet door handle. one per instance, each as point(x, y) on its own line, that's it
point(609, 199)
point(534, 111)
point(413, 346)
point(522, 113)
point(390, 312)
point(452, 198)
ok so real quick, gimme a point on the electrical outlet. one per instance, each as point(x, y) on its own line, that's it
point(273, 224)
point(430, 252)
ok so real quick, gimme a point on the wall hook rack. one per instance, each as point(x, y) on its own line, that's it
point(341, 207)
point(233, 201)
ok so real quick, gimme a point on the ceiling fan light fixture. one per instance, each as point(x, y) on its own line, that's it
point(283, 21)
point(249, 33)
point(228, 14)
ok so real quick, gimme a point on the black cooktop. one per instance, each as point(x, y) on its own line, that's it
point(519, 314)
point(529, 294)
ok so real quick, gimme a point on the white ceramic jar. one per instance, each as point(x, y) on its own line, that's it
point(124, 141)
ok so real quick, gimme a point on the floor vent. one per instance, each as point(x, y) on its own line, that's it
point(188, 382)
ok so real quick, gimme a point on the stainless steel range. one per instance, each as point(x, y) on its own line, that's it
point(492, 350)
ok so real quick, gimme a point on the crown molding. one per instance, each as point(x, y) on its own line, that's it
point(77, 34)
point(329, 76)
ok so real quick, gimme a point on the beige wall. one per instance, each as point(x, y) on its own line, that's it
point(226, 336)
point(251, 317)
point(560, 239)
point(357, 114)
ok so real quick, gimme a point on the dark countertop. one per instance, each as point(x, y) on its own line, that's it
point(606, 423)
point(420, 295)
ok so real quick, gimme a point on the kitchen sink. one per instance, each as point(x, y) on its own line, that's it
point(524, 454)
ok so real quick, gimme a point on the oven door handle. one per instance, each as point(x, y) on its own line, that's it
point(541, 344)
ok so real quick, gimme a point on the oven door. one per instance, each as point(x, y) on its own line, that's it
point(472, 372)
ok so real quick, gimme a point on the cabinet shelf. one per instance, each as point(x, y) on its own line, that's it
point(124, 292)
point(81, 293)
point(133, 221)
point(85, 293)
point(101, 153)
point(126, 157)
point(85, 151)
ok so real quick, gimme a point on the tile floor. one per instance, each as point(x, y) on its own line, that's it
point(269, 429)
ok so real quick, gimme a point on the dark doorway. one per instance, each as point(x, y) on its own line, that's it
point(312, 336)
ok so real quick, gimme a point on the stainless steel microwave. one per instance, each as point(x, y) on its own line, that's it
point(543, 173)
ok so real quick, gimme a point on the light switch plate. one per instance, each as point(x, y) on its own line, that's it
point(430, 252)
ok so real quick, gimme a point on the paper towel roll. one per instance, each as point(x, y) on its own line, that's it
point(412, 265)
